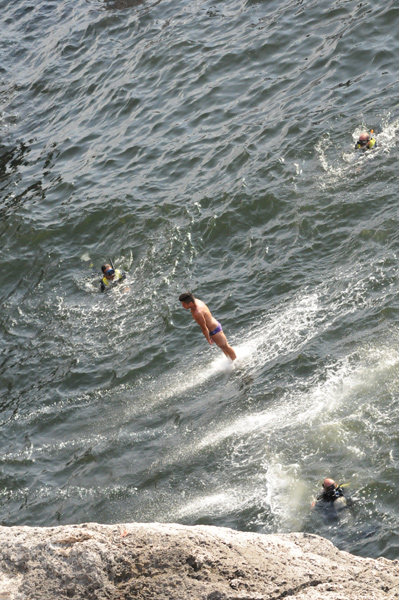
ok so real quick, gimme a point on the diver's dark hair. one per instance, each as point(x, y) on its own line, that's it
point(105, 267)
point(186, 297)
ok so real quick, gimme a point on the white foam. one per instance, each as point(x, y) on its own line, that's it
point(340, 384)
point(337, 165)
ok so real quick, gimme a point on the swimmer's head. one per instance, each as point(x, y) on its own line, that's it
point(329, 484)
point(186, 298)
point(108, 271)
point(364, 138)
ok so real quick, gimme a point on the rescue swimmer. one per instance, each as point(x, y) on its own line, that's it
point(365, 142)
point(332, 500)
point(112, 277)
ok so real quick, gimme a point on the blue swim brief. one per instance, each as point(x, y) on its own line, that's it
point(217, 329)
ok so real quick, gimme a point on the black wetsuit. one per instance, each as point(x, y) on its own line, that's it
point(325, 500)
point(331, 495)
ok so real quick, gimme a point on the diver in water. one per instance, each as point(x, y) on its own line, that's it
point(111, 277)
point(211, 328)
point(332, 499)
point(365, 142)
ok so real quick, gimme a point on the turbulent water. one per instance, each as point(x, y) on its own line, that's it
point(202, 146)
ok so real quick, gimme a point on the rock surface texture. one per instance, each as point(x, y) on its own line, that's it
point(155, 561)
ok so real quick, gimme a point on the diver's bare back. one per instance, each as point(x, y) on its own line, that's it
point(202, 309)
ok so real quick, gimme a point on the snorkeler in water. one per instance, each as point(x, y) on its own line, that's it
point(365, 141)
point(111, 277)
point(332, 499)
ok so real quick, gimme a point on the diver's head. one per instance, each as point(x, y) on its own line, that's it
point(187, 299)
point(108, 271)
point(364, 139)
point(329, 485)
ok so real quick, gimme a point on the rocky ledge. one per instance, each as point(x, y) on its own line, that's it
point(155, 561)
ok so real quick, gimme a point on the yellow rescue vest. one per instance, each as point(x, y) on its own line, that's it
point(372, 142)
point(118, 275)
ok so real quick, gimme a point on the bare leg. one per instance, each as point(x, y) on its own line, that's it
point(221, 341)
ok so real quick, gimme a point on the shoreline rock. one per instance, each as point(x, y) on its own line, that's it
point(161, 561)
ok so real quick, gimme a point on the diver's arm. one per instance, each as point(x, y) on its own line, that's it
point(199, 317)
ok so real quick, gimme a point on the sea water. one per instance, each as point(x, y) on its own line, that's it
point(207, 147)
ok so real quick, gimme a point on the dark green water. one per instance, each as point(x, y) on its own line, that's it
point(206, 147)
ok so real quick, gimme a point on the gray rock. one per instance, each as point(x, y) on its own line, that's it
point(174, 562)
